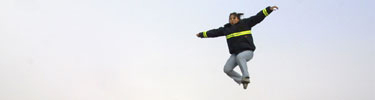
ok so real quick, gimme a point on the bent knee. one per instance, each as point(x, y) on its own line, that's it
point(227, 70)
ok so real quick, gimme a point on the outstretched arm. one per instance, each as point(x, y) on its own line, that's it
point(253, 20)
point(211, 33)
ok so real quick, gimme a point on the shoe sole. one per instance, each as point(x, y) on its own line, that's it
point(245, 83)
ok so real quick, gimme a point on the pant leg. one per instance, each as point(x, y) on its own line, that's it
point(228, 69)
point(242, 58)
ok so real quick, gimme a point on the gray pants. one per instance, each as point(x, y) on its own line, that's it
point(240, 59)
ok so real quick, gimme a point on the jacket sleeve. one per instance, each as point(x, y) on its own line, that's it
point(253, 20)
point(212, 33)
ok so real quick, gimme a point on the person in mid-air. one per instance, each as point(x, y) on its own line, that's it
point(240, 42)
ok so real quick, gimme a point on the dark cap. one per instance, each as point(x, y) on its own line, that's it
point(238, 15)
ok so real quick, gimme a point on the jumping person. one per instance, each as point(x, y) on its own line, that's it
point(240, 42)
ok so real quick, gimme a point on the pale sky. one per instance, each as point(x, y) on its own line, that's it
point(147, 50)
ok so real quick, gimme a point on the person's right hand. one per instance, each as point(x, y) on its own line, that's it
point(197, 35)
point(274, 8)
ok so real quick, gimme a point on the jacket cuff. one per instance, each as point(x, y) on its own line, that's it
point(203, 34)
point(267, 11)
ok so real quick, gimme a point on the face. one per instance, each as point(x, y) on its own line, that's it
point(233, 19)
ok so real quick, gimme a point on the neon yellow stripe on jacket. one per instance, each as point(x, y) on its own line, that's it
point(265, 12)
point(238, 34)
point(205, 34)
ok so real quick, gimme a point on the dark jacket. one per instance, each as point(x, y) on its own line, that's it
point(239, 37)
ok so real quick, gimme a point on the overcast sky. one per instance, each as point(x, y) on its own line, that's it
point(147, 50)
